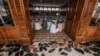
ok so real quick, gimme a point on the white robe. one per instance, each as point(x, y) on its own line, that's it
point(38, 26)
point(48, 25)
point(53, 28)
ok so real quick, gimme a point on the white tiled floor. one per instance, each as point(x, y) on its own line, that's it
point(45, 36)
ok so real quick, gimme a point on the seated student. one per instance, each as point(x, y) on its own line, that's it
point(60, 23)
point(62, 19)
point(63, 25)
point(38, 26)
point(41, 21)
point(55, 21)
point(48, 23)
point(45, 23)
point(60, 26)
point(53, 28)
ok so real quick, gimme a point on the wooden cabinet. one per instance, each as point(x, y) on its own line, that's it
point(78, 27)
point(21, 32)
point(84, 29)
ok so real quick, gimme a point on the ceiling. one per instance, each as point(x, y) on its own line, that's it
point(48, 3)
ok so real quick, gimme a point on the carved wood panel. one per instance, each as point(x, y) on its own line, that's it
point(84, 30)
point(18, 33)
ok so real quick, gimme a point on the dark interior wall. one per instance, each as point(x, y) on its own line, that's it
point(61, 4)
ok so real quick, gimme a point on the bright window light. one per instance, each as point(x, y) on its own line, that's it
point(53, 9)
point(41, 8)
point(45, 8)
point(57, 8)
point(37, 8)
point(49, 9)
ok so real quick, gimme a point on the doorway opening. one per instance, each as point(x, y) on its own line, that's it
point(48, 19)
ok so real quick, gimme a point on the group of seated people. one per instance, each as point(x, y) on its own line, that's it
point(53, 25)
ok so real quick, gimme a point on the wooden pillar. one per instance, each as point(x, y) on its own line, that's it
point(23, 19)
point(81, 19)
point(19, 12)
point(72, 4)
point(84, 21)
